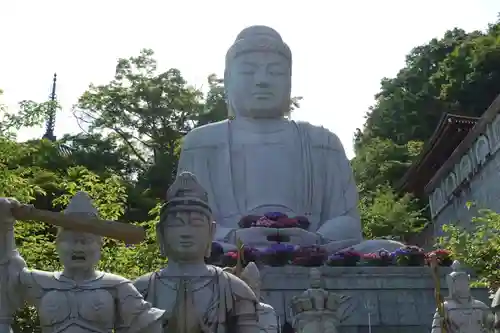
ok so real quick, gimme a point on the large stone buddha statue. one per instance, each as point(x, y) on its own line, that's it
point(258, 161)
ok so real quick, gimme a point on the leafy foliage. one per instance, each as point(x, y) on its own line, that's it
point(390, 215)
point(478, 248)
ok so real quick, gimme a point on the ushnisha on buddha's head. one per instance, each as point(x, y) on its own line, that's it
point(79, 250)
point(258, 75)
point(186, 228)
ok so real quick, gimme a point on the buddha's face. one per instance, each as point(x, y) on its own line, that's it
point(187, 235)
point(258, 85)
point(78, 250)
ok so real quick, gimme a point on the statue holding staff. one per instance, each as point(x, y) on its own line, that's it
point(79, 299)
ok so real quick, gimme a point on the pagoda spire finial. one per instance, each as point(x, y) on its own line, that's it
point(51, 114)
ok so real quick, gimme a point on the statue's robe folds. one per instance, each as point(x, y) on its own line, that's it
point(221, 302)
point(299, 169)
point(105, 304)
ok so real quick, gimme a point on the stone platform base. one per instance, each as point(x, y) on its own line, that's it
point(392, 299)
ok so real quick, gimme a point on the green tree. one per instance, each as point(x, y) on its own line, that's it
point(36, 240)
point(149, 112)
point(382, 162)
point(390, 215)
point(458, 73)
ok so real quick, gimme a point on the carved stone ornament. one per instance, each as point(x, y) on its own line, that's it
point(318, 310)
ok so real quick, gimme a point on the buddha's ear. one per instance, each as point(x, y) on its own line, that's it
point(213, 229)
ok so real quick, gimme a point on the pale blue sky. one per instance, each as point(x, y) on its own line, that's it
point(341, 49)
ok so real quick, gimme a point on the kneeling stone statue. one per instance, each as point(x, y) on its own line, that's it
point(318, 310)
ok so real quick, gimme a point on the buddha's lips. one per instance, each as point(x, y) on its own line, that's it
point(78, 257)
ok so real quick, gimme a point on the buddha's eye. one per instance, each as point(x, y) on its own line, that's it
point(248, 69)
point(276, 69)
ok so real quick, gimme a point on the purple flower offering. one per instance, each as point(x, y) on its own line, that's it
point(280, 248)
point(274, 216)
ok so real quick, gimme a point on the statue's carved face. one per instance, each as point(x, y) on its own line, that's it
point(78, 250)
point(258, 85)
point(461, 287)
point(187, 235)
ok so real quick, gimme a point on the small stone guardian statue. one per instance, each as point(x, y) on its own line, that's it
point(198, 298)
point(462, 313)
point(318, 310)
point(79, 299)
point(495, 305)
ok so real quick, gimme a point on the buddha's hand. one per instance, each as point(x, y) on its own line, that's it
point(6, 219)
point(254, 236)
point(299, 236)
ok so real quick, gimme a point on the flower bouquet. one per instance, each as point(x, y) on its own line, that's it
point(274, 220)
point(278, 254)
point(410, 256)
point(230, 258)
point(443, 257)
point(309, 256)
point(344, 258)
point(380, 258)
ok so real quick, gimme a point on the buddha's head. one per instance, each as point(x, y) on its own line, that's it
point(186, 228)
point(258, 74)
point(458, 282)
point(79, 250)
point(315, 278)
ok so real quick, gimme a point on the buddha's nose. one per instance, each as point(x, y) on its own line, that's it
point(261, 80)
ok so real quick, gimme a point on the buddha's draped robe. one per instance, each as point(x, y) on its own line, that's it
point(298, 169)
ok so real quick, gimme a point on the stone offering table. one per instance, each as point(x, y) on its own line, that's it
point(401, 299)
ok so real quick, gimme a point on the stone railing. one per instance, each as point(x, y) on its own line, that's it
point(485, 145)
point(383, 299)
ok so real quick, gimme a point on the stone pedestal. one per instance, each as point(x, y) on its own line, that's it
point(401, 299)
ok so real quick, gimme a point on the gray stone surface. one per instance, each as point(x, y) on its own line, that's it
point(401, 298)
point(482, 190)
point(473, 179)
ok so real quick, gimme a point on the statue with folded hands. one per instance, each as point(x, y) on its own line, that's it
point(258, 161)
